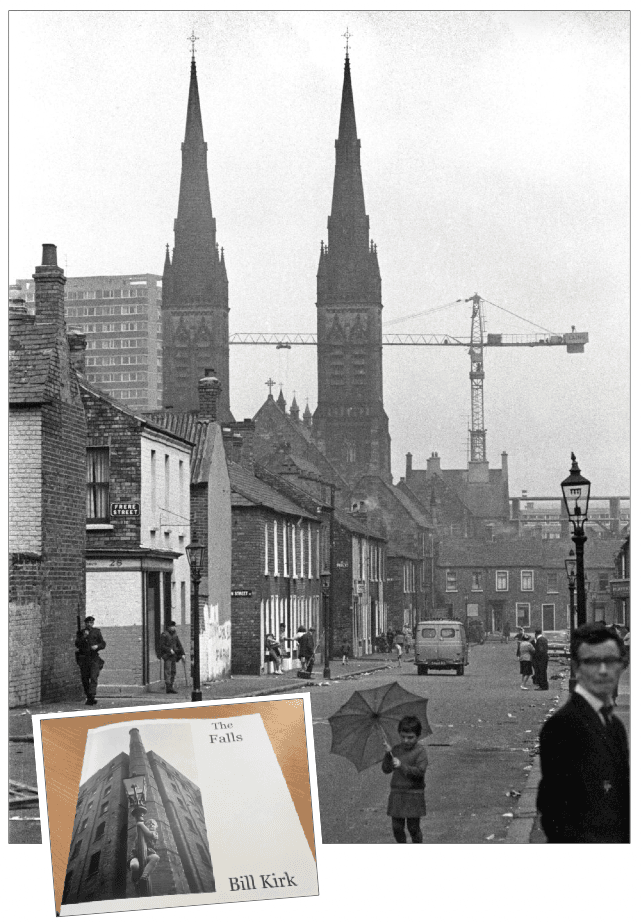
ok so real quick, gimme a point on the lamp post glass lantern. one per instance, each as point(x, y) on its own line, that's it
point(195, 552)
point(577, 491)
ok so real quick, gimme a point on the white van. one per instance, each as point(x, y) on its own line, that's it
point(441, 645)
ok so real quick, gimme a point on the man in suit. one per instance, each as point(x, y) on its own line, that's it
point(89, 643)
point(584, 794)
point(540, 662)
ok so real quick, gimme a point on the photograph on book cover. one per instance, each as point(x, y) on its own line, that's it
point(177, 807)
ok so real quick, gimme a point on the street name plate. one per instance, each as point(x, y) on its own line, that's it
point(125, 509)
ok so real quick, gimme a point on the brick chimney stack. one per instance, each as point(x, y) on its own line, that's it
point(246, 432)
point(77, 346)
point(209, 389)
point(50, 289)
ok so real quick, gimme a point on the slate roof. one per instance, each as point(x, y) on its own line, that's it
point(413, 509)
point(483, 500)
point(522, 552)
point(32, 357)
point(248, 490)
point(188, 426)
point(141, 418)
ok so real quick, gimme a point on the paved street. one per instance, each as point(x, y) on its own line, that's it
point(482, 748)
point(484, 732)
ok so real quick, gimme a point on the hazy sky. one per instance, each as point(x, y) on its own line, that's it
point(495, 158)
point(171, 740)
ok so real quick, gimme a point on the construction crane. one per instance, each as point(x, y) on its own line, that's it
point(475, 343)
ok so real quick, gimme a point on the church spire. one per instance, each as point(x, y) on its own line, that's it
point(348, 271)
point(195, 289)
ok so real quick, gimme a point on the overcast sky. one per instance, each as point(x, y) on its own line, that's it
point(495, 159)
point(171, 740)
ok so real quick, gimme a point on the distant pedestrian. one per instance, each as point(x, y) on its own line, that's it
point(407, 640)
point(525, 651)
point(584, 794)
point(506, 631)
point(306, 651)
point(273, 651)
point(390, 636)
point(89, 643)
point(345, 651)
point(300, 631)
point(407, 762)
point(540, 661)
point(171, 652)
point(398, 645)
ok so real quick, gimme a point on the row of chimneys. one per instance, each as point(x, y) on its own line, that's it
point(433, 465)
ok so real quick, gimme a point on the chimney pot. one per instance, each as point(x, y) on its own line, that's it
point(49, 255)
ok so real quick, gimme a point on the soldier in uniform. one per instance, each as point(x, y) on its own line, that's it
point(584, 794)
point(171, 652)
point(89, 642)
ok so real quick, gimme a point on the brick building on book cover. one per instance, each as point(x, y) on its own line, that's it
point(104, 832)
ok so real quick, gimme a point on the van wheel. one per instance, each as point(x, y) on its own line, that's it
point(460, 670)
point(422, 670)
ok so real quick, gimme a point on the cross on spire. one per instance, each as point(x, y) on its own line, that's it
point(193, 39)
point(270, 383)
point(347, 35)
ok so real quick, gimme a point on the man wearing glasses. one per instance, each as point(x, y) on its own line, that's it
point(584, 794)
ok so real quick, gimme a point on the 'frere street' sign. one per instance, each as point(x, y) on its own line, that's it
point(119, 509)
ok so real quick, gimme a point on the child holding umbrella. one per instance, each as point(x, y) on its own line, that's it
point(407, 762)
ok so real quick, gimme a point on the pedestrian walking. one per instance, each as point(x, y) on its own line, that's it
point(345, 651)
point(506, 631)
point(390, 636)
point(89, 643)
point(584, 794)
point(274, 653)
point(300, 631)
point(306, 651)
point(525, 651)
point(407, 640)
point(407, 762)
point(540, 661)
point(398, 645)
point(171, 652)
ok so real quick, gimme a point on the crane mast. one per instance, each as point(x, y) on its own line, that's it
point(477, 430)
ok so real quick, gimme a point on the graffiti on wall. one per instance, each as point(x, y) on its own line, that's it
point(216, 645)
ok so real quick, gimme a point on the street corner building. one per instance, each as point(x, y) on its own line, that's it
point(104, 832)
point(47, 443)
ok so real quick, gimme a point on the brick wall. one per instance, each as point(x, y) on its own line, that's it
point(25, 644)
point(64, 437)
point(25, 480)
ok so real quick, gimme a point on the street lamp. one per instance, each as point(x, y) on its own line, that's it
point(576, 491)
point(571, 571)
point(195, 552)
point(326, 588)
point(136, 789)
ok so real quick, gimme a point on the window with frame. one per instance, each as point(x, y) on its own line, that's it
point(94, 863)
point(523, 614)
point(551, 582)
point(100, 831)
point(76, 849)
point(98, 484)
point(501, 580)
point(603, 582)
point(451, 581)
point(477, 584)
point(527, 579)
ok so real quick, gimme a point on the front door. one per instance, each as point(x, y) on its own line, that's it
point(495, 617)
point(153, 625)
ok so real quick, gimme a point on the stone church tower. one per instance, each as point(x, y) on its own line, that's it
point(195, 304)
point(350, 425)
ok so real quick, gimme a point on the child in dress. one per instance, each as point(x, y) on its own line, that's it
point(407, 762)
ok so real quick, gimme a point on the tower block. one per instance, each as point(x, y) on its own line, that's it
point(350, 424)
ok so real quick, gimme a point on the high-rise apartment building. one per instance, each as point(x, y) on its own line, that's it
point(121, 318)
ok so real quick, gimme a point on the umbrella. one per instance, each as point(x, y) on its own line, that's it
point(367, 723)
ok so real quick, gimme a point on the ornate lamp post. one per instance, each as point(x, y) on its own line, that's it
point(571, 571)
point(576, 491)
point(195, 551)
point(326, 589)
point(136, 789)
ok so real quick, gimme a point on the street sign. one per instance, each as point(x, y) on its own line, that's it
point(241, 593)
point(125, 509)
